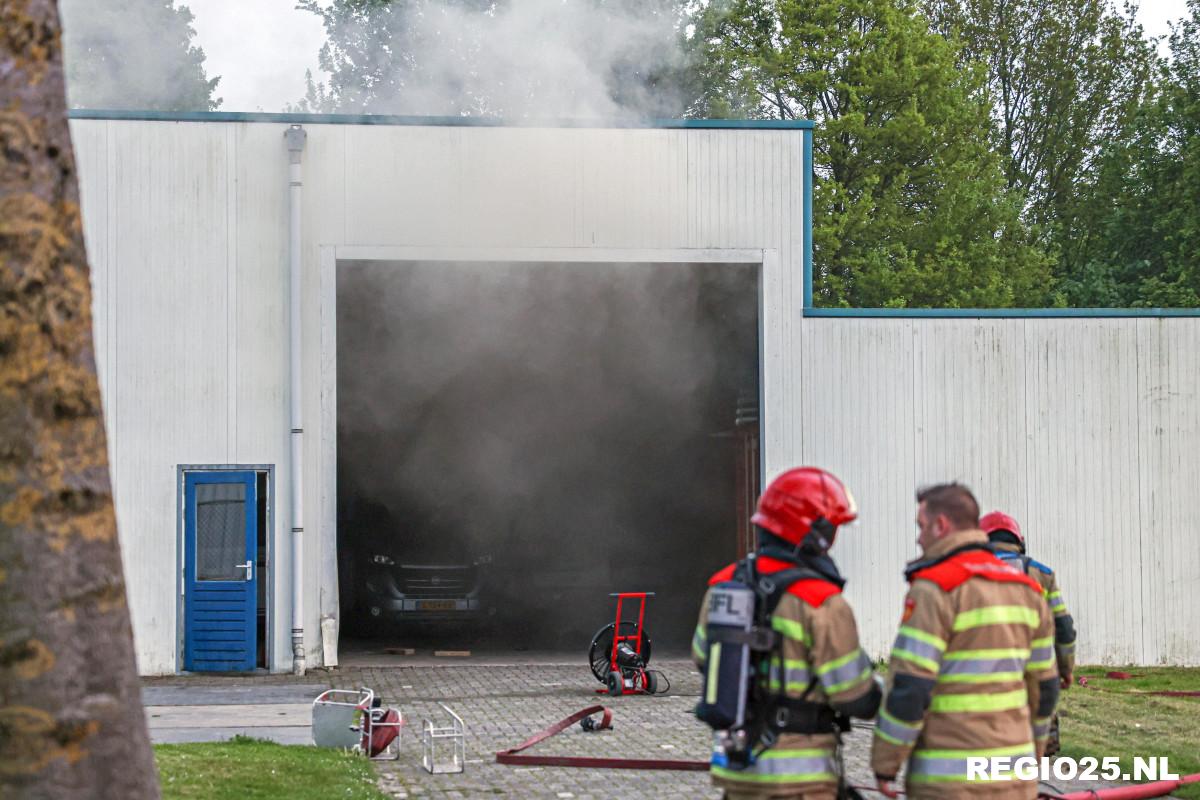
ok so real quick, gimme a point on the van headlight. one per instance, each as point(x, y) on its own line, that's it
point(385, 560)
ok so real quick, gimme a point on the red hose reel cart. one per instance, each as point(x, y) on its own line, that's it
point(620, 651)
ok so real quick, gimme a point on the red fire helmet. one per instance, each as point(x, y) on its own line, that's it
point(999, 521)
point(799, 497)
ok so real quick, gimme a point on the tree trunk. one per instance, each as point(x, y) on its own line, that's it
point(71, 722)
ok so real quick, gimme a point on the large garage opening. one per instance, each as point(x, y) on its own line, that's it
point(518, 440)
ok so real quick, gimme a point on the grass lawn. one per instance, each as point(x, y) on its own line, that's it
point(1118, 722)
point(250, 769)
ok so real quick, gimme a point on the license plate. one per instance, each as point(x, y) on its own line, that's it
point(436, 605)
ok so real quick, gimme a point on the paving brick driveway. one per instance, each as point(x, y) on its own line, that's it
point(503, 705)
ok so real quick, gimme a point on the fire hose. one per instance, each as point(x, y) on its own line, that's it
point(514, 756)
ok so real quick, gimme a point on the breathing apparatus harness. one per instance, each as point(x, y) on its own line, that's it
point(737, 702)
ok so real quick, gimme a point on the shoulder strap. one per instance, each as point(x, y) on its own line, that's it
point(774, 586)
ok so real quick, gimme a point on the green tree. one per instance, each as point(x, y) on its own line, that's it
point(134, 54)
point(1064, 77)
point(910, 206)
point(1136, 234)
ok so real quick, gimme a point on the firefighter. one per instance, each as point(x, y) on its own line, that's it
point(820, 672)
point(972, 671)
point(1004, 533)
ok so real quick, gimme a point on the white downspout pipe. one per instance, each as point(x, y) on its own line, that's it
point(295, 137)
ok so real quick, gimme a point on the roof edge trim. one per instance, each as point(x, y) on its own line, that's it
point(999, 313)
point(463, 122)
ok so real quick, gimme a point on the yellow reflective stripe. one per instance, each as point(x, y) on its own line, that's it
point(986, 677)
point(784, 766)
point(710, 685)
point(1043, 642)
point(999, 652)
point(699, 640)
point(887, 737)
point(837, 662)
point(795, 663)
point(995, 752)
point(923, 636)
point(790, 686)
point(914, 726)
point(846, 684)
point(787, 777)
point(970, 703)
point(1034, 666)
point(920, 661)
point(995, 615)
point(791, 629)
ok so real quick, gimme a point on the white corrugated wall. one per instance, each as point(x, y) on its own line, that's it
point(1087, 429)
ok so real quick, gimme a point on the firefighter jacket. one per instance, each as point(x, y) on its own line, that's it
point(821, 651)
point(972, 673)
point(1064, 625)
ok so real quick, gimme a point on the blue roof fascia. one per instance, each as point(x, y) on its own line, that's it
point(1000, 313)
point(806, 157)
point(464, 122)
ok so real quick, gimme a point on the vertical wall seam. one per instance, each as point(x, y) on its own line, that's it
point(1138, 411)
point(231, 327)
point(1027, 503)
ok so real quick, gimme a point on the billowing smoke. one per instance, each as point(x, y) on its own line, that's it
point(516, 59)
point(134, 54)
point(569, 421)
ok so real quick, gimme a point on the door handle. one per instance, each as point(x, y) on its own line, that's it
point(249, 567)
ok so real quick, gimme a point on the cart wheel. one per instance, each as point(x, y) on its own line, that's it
point(616, 684)
point(601, 649)
point(650, 682)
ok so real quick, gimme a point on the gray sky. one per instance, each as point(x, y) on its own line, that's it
point(260, 48)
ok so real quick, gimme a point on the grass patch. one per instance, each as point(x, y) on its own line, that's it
point(252, 769)
point(1118, 722)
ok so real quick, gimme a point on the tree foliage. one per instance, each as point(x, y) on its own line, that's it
point(134, 54)
point(910, 206)
point(1063, 76)
point(1135, 238)
point(71, 720)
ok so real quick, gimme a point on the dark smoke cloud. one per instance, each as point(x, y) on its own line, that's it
point(562, 418)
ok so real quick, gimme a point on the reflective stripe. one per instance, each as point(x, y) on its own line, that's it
point(796, 676)
point(984, 677)
point(982, 666)
point(791, 629)
point(993, 652)
point(710, 683)
point(1066, 648)
point(1057, 604)
point(1042, 655)
point(995, 615)
point(922, 648)
point(1041, 728)
point(934, 766)
point(894, 730)
point(699, 644)
point(1042, 658)
point(842, 673)
point(919, 660)
point(782, 766)
point(923, 636)
point(973, 703)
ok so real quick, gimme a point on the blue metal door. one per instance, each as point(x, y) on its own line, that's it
point(220, 599)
